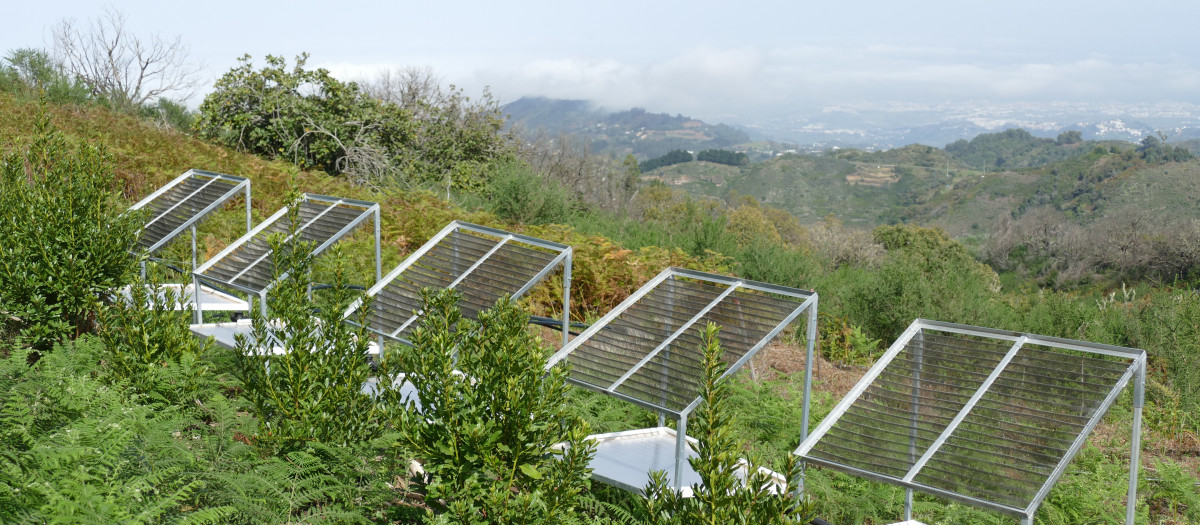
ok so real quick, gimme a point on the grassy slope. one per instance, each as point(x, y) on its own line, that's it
point(145, 157)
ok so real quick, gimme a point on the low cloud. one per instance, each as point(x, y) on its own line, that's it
point(711, 82)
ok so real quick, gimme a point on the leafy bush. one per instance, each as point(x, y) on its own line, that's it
point(64, 243)
point(722, 497)
point(842, 342)
point(303, 371)
point(520, 195)
point(485, 417)
point(148, 344)
point(305, 115)
point(315, 120)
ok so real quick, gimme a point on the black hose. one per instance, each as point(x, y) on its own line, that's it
point(554, 323)
point(169, 266)
point(819, 521)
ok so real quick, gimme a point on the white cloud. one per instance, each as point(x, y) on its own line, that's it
point(738, 83)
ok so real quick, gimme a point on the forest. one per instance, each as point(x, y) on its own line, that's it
point(112, 411)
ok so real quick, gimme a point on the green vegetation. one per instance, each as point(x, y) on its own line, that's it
point(317, 121)
point(671, 157)
point(32, 72)
point(1013, 148)
point(720, 156)
point(63, 240)
point(521, 196)
point(123, 417)
point(486, 419)
point(722, 497)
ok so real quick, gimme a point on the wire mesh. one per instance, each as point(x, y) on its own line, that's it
point(652, 351)
point(251, 266)
point(992, 418)
point(183, 202)
point(1022, 426)
point(483, 267)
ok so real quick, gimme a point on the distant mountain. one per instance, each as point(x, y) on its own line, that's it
point(646, 135)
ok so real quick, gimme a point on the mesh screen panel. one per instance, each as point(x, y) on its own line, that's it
point(642, 353)
point(1022, 426)
point(250, 264)
point(496, 268)
point(183, 203)
point(1000, 441)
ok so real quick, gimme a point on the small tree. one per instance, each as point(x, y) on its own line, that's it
point(120, 67)
point(724, 496)
point(64, 242)
point(486, 418)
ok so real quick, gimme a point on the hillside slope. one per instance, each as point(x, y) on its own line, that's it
point(145, 157)
point(859, 188)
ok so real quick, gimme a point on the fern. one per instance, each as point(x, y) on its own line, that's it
point(604, 512)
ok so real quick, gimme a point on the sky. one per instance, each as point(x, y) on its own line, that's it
point(720, 61)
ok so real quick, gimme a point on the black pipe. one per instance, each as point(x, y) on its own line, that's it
point(556, 324)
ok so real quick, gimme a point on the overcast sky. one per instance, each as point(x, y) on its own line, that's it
point(711, 60)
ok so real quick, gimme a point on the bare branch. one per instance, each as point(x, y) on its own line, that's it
point(121, 67)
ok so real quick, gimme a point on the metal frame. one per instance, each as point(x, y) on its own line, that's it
point(809, 303)
point(1136, 372)
point(241, 184)
point(372, 211)
point(564, 258)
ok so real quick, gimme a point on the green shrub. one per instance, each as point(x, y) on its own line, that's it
point(311, 389)
point(64, 243)
point(520, 195)
point(34, 72)
point(722, 497)
point(170, 114)
point(149, 346)
point(842, 342)
point(488, 418)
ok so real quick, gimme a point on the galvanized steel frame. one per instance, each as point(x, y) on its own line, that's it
point(564, 258)
point(372, 211)
point(1136, 371)
point(241, 184)
point(809, 304)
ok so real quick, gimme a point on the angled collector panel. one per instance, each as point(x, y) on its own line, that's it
point(648, 349)
point(480, 262)
point(983, 416)
point(185, 201)
point(247, 265)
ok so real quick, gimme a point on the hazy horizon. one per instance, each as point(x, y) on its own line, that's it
point(707, 60)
